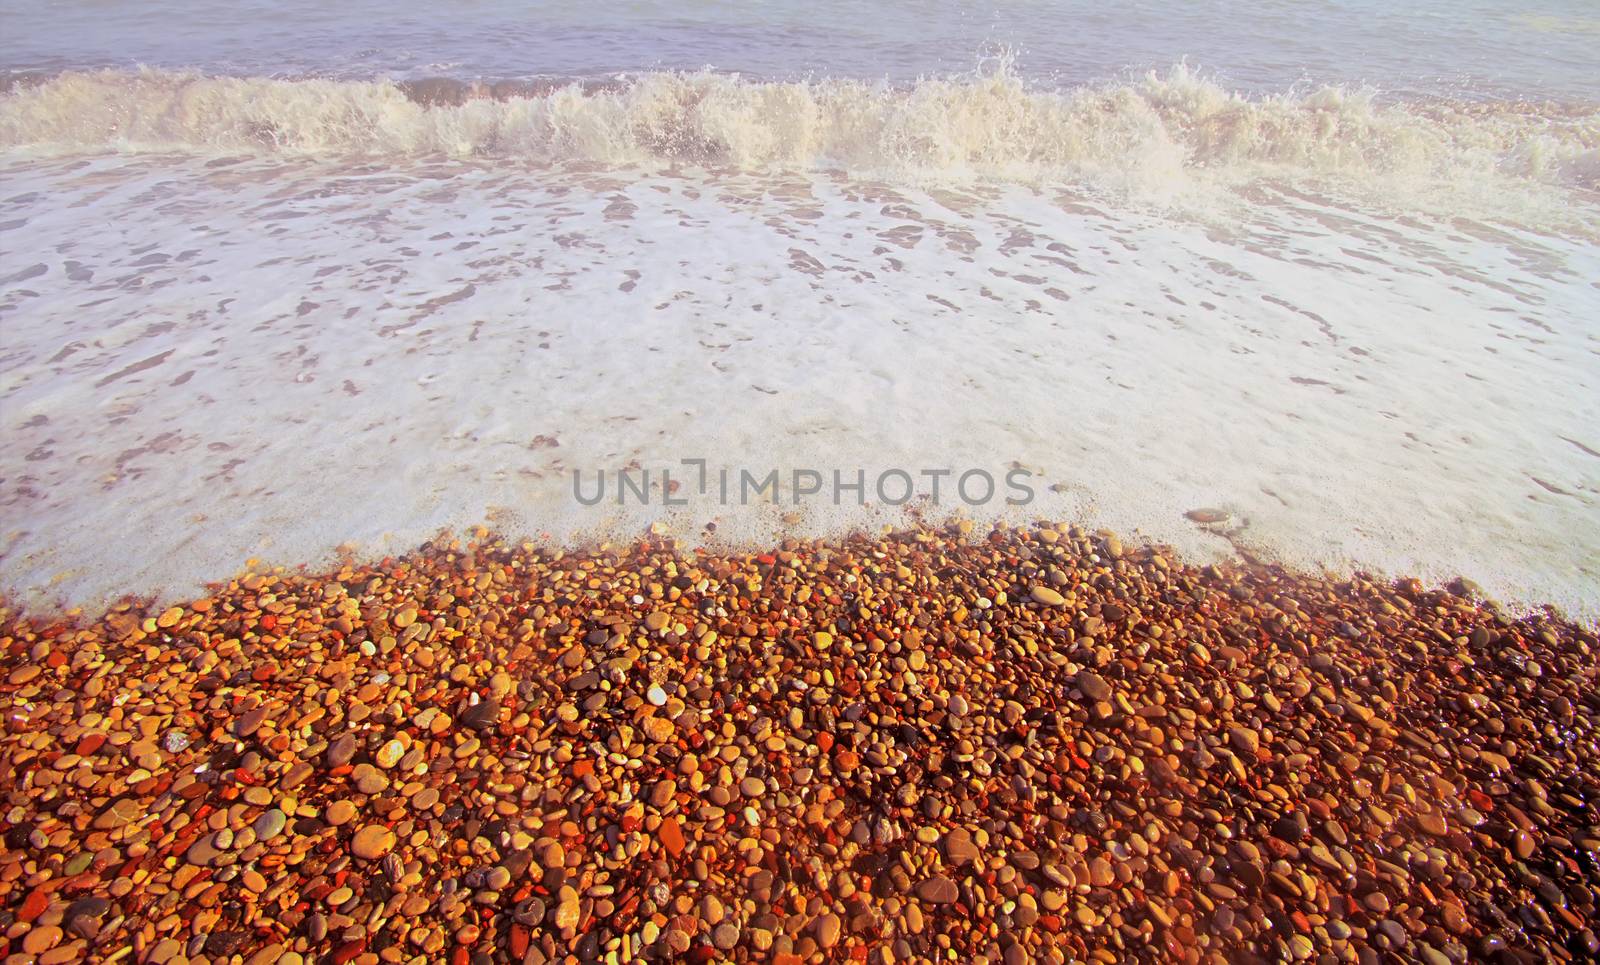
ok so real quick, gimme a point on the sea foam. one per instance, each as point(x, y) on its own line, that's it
point(1166, 138)
point(212, 359)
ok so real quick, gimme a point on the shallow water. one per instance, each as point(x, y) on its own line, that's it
point(258, 299)
point(1537, 49)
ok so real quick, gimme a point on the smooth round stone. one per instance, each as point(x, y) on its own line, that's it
point(1093, 685)
point(1101, 874)
point(960, 849)
point(342, 750)
point(1047, 596)
point(529, 911)
point(41, 939)
point(120, 813)
point(390, 753)
point(937, 890)
point(1432, 955)
point(828, 930)
point(568, 909)
point(552, 855)
point(339, 813)
point(203, 851)
point(250, 721)
point(91, 907)
point(656, 696)
point(270, 824)
point(372, 842)
point(1393, 931)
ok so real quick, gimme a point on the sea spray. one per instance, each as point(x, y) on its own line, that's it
point(1165, 137)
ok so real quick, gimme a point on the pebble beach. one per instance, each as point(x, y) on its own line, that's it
point(939, 483)
point(955, 744)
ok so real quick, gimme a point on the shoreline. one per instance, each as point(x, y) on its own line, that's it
point(1218, 538)
point(1029, 744)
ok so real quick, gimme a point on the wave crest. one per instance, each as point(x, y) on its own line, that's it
point(1165, 132)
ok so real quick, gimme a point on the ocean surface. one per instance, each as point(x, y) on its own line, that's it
point(1316, 282)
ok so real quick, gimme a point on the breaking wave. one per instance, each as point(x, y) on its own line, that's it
point(1165, 132)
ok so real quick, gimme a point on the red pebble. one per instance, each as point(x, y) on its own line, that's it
point(671, 835)
point(33, 906)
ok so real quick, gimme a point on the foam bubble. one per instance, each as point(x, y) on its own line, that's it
point(210, 360)
point(1173, 137)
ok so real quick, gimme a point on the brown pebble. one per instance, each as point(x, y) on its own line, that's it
point(372, 842)
point(1022, 743)
point(828, 927)
point(937, 890)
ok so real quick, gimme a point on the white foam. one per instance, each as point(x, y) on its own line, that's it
point(1173, 139)
point(220, 360)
